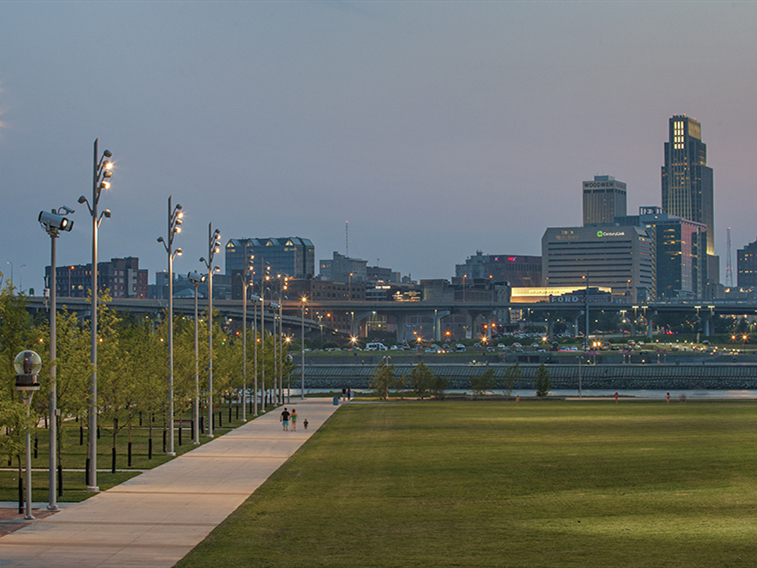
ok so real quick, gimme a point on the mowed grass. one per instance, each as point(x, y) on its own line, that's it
point(498, 484)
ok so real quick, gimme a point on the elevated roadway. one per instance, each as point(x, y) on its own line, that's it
point(437, 310)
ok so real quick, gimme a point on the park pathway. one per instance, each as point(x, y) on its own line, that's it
point(156, 518)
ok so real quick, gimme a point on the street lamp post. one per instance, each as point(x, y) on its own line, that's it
point(53, 223)
point(195, 278)
point(101, 171)
point(246, 281)
point(302, 349)
point(175, 215)
point(255, 394)
point(214, 247)
point(27, 365)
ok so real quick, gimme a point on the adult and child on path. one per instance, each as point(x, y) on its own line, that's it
point(286, 416)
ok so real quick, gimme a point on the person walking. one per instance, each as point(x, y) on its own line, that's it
point(285, 419)
point(293, 418)
point(305, 424)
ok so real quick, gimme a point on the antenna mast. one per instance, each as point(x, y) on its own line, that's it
point(347, 238)
point(728, 263)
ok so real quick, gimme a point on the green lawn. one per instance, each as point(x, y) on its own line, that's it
point(487, 483)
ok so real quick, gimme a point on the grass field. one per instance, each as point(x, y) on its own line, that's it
point(485, 483)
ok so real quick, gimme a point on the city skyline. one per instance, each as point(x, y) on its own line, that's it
point(436, 130)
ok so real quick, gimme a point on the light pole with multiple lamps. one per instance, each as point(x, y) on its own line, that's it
point(255, 299)
point(302, 348)
point(53, 223)
point(214, 247)
point(196, 278)
point(101, 171)
point(175, 215)
point(246, 277)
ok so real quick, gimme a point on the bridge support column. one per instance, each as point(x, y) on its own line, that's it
point(707, 324)
point(438, 315)
point(650, 323)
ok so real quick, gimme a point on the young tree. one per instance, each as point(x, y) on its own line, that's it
point(482, 384)
point(511, 378)
point(382, 379)
point(439, 385)
point(542, 381)
point(421, 379)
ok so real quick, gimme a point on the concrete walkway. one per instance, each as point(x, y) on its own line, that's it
point(156, 518)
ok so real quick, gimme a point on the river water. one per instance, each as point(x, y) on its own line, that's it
point(591, 393)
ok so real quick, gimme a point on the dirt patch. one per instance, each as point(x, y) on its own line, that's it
point(11, 520)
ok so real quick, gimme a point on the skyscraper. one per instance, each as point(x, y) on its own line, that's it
point(686, 179)
point(604, 199)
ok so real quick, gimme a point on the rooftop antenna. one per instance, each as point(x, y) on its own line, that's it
point(347, 238)
point(728, 263)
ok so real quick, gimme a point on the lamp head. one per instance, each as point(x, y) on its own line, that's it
point(108, 154)
point(82, 199)
point(107, 213)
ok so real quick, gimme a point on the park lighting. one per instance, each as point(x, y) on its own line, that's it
point(214, 247)
point(302, 348)
point(174, 227)
point(27, 365)
point(196, 278)
point(255, 299)
point(246, 277)
point(53, 223)
point(101, 172)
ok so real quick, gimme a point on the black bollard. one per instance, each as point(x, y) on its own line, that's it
point(36, 446)
point(180, 429)
point(220, 419)
point(149, 449)
point(202, 424)
point(113, 460)
point(81, 434)
point(98, 432)
point(20, 494)
point(164, 441)
point(86, 473)
point(128, 450)
point(192, 429)
point(60, 481)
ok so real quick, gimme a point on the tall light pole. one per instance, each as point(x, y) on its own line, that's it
point(175, 215)
point(214, 247)
point(101, 171)
point(53, 223)
point(255, 300)
point(9, 262)
point(246, 281)
point(302, 346)
point(195, 278)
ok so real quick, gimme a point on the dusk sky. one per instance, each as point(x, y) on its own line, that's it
point(435, 128)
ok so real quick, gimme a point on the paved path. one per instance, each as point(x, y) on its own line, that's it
point(156, 518)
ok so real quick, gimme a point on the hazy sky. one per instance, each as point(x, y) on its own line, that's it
point(435, 128)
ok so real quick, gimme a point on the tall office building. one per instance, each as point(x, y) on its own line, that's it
point(686, 178)
point(619, 257)
point(289, 256)
point(604, 199)
point(747, 266)
point(680, 259)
